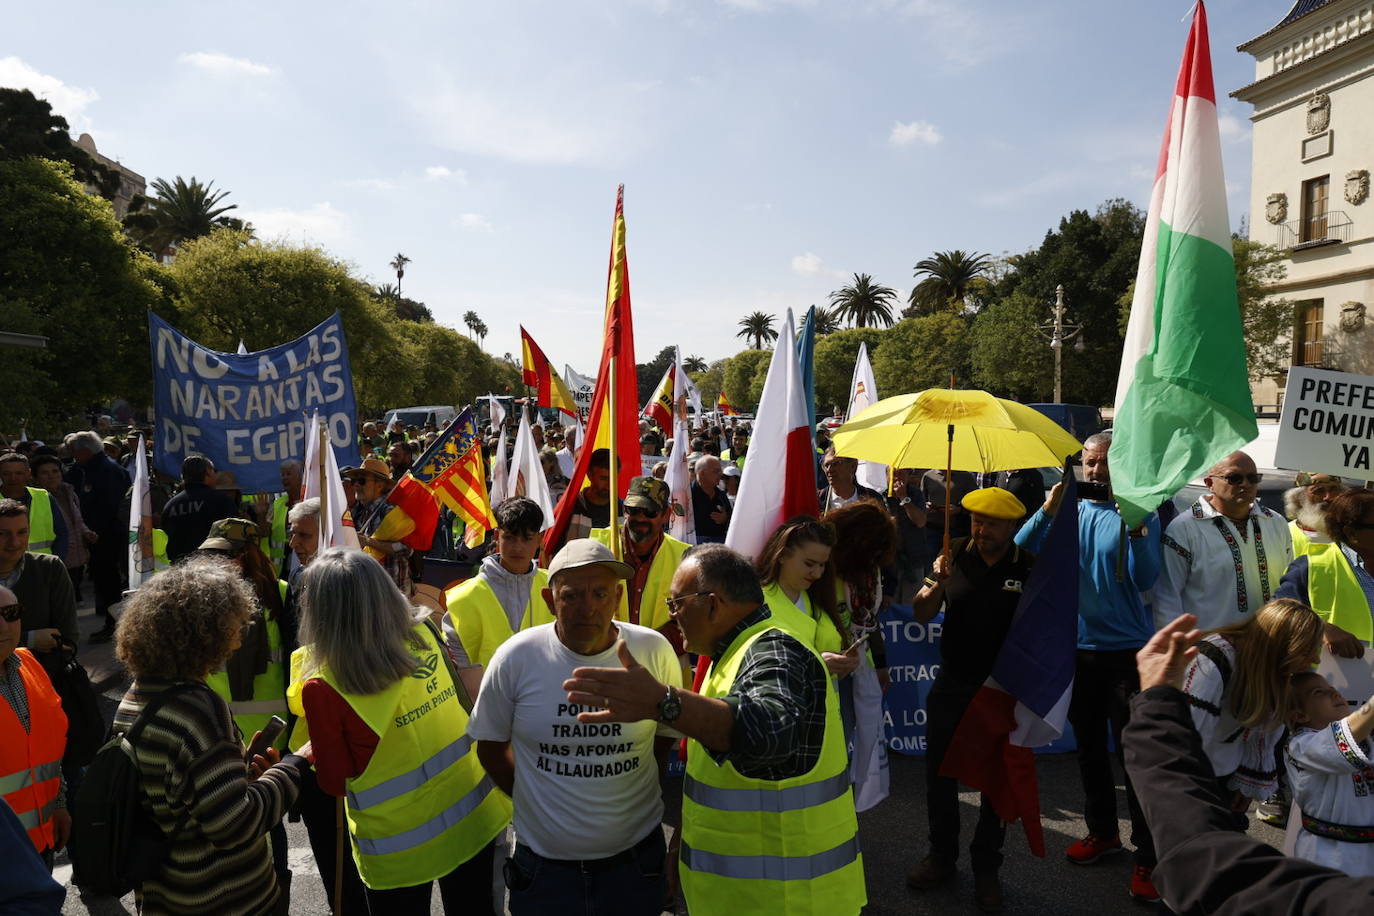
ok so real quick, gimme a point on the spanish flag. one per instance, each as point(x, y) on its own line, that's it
point(724, 408)
point(613, 422)
point(451, 469)
point(660, 406)
point(539, 375)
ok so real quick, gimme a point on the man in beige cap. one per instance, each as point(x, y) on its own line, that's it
point(380, 527)
point(979, 586)
point(1305, 506)
point(589, 811)
point(652, 554)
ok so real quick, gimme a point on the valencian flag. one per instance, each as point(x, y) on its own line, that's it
point(451, 469)
point(1183, 395)
point(723, 407)
point(1025, 701)
point(539, 375)
point(661, 408)
point(613, 422)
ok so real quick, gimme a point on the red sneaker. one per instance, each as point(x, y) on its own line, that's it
point(1142, 887)
point(1091, 848)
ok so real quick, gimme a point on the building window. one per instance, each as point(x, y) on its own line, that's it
point(1314, 198)
point(1308, 348)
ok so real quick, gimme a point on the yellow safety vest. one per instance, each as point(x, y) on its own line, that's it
point(790, 619)
point(269, 688)
point(423, 805)
point(482, 623)
point(42, 531)
point(1335, 594)
point(300, 673)
point(760, 846)
point(160, 561)
point(1303, 545)
point(653, 613)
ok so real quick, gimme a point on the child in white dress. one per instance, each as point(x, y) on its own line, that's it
point(1331, 772)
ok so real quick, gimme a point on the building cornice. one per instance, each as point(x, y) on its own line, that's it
point(1344, 276)
point(1314, 66)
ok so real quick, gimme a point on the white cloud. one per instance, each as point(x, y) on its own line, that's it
point(321, 223)
point(444, 173)
point(224, 65)
point(807, 264)
point(1233, 129)
point(68, 101)
point(371, 184)
point(558, 123)
point(913, 131)
point(474, 221)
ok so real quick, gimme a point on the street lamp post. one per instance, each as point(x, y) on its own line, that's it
point(1057, 330)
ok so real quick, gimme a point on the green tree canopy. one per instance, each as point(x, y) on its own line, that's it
point(945, 281)
point(648, 375)
point(68, 272)
point(864, 302)
point(692, 364)
point(28, 128)
point(1009, 359)
point(178, 212)
point(710, 381)
point(1268, 320)
point(737, 377)
point(920, 353)
point(834, 364)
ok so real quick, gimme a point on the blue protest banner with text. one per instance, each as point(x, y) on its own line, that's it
point(248, 413)
point(913, 661)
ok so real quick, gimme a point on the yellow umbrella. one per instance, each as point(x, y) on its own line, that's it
point(961, 430)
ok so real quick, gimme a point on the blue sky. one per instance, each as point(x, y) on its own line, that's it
point(769, 148)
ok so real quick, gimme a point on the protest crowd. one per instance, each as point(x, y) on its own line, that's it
point(559, 656)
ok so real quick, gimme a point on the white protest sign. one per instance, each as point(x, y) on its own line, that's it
point(1328, 423)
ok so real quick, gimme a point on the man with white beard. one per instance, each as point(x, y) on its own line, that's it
point(1305, 507)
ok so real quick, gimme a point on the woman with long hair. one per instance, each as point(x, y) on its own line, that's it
point(865, 543)
point(214, 806)
point(390, 733)
point(1239, 689)
point(799, 584)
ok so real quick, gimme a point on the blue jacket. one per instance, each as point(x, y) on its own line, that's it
point(1111, 613)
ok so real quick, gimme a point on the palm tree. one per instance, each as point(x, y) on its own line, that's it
point(948, 277)
point(758, 326)
point(178, 212)
point(864, 302)
point(481, 330)
point(398, 264)
point(827, 321)
point(472, 321)
point(387, 291)
point(694, 364)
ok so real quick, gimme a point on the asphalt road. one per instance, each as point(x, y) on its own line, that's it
point(892, 835)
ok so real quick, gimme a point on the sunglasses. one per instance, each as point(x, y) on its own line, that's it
point(1236, 480)
point(11, 612)
point(636, 512)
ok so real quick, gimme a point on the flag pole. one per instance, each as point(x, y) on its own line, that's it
point(324, 484)
point(615, 456)
point(949, 487)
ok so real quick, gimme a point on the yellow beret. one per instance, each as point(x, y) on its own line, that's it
point(995, 503)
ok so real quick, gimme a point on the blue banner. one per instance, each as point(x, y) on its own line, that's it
point(248, 413)
point(913, 661)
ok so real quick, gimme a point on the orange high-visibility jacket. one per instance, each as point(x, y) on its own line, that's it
point(31, 762)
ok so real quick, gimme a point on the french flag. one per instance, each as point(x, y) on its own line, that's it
point(1025, 702)
point(779, 479)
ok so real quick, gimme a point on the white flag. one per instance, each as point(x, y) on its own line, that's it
point(863, 393)
point(500, 470)
point(681, 524)
point(527, 474)
point(141, 566)
point(498, 412)
point(336, 522)
point(243, 351)
point(581, 389)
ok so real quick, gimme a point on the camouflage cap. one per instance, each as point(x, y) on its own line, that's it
point(647, 493)
point(231, 535)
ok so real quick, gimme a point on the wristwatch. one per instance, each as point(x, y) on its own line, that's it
point(670, 707)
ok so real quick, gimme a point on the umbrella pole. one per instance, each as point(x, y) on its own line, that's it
point(949, 464)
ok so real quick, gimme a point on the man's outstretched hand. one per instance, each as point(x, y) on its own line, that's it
point(626, 694)
point(1166, 656)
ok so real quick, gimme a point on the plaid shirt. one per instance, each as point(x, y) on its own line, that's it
point(12, 689)
point(779, 702)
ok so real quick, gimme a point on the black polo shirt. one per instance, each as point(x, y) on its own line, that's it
point(980, 601)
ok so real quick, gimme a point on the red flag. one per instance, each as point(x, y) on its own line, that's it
point(539, 375)
point(723, 406)
point(661, 406)
point(616, 380)
point(415, 500)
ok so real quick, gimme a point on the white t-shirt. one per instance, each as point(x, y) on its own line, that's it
point(582, 791)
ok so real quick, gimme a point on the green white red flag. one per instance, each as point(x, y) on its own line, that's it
point(1183, 395)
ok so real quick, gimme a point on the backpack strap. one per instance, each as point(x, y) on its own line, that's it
point(145, 715)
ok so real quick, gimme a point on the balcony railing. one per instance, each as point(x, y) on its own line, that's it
point(1329, 229)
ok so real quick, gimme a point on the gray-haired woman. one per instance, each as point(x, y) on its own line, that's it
point(390, 734)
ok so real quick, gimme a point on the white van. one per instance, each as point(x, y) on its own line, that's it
point(437, 414)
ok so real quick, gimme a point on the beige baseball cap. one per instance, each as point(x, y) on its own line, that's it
point(587, 552)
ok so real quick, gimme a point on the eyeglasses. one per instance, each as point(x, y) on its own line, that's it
point(674, 603)
point(1236, 480)
point(636, 512)
point(11, 612)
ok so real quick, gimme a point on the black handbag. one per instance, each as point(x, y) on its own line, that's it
point(86, 726)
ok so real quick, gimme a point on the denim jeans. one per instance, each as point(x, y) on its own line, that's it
point(633, 886)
